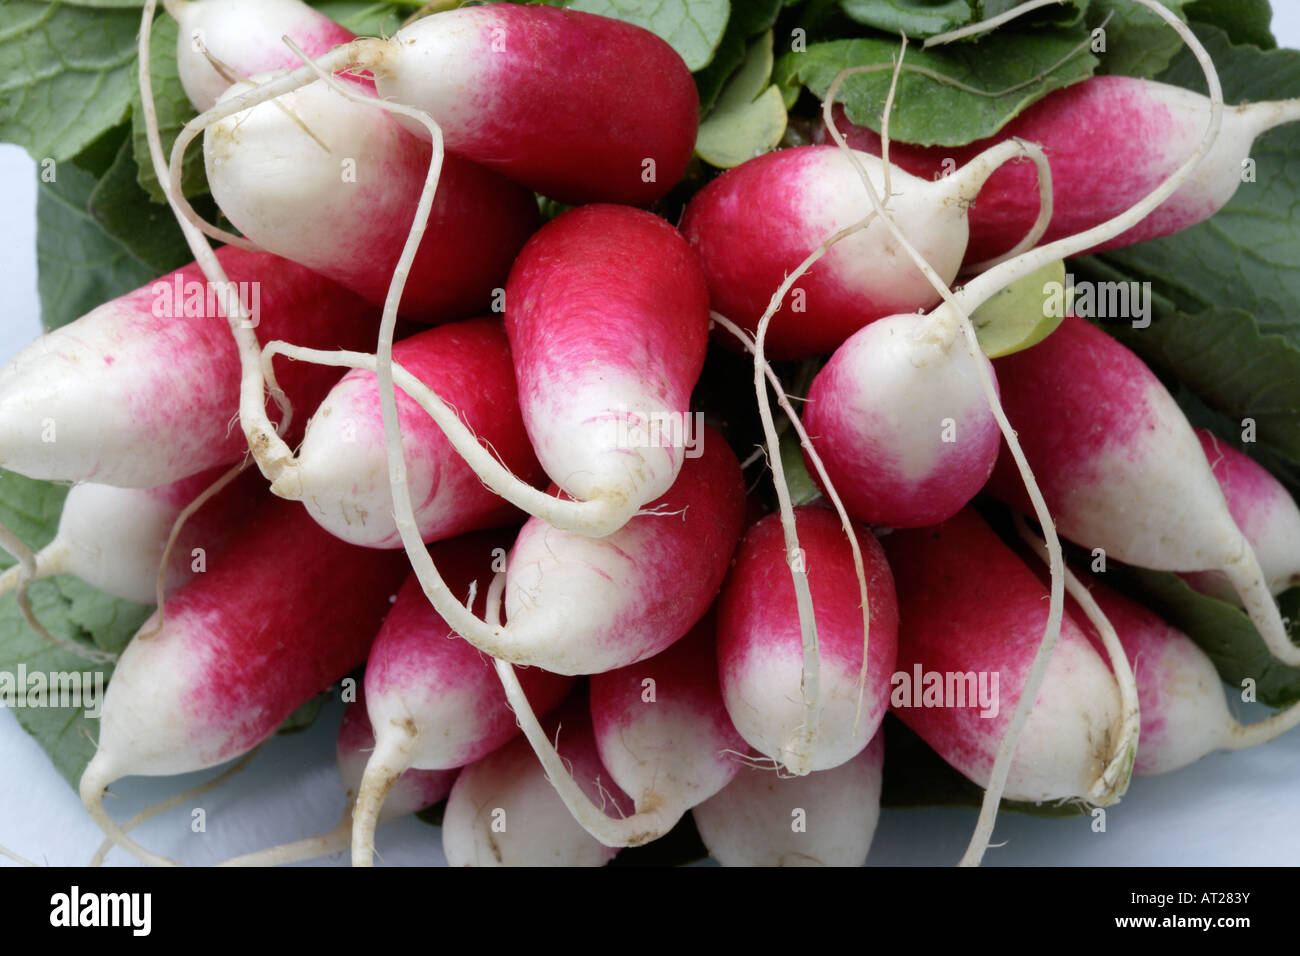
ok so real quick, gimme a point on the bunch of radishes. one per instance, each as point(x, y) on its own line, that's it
point(738, 665)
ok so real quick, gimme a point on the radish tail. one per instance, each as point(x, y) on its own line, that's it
point(1248, 579)
point(310, 848)
point(268, 448)
point(388, 761)
point(27, 569)
point(1262, 731)
point(94, 784)
point(157, 808)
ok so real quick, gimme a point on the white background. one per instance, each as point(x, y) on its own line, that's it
point(1234, 809)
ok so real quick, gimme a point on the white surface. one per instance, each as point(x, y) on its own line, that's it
point(1228, 809)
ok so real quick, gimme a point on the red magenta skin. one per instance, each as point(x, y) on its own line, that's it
point(575, 105)
point(287, 610)
point(1101, 137)
point(418, 653)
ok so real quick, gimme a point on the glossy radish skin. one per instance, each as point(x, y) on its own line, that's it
point(114, 538)
point(760, 649)
point(580, 605)
point(1110, 140)
point(608, 317)
point(751, 822)
point(1264, 511)
point(343, 460)
point(287, 610)
point(578, 107)
point(504, 812)
point(244, 35)
point(902, 424)
point(662, 728)
point(414, 791)
point(755, 224)
point(1184, 713)
point(333, 184)
point(422, 678)
point(139, 398)
point(968, 605)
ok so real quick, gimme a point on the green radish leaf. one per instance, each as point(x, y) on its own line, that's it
point(66, 74)
point(694, 28)
point(1023, 314)
point(802, 487)
point(1226, 634)
point(1011, 71)
point(1244, 21)
point(370, 19)
point(750, 117)
point(916, 18)
point(747, 20)
point(1137, 41)
point(174, 111)
point(68, 608)
point(146, 229)
point(79, 266)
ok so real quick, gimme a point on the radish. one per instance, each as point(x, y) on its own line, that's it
point(1266, 514)
point(114, 538)
point(759, 647)
point(289, 172)
point(222, 41)
point(754, 225)
point(342, 465)
point(1184, 713)
point(608, 323)
point(1110, 140)
point(434, 700)
point(414, 791)
point(140, 391)
point(503, 812)
point(502, 83)
point(287, 610)
point(823, 819)
point(971, 620)
point(1121, 469)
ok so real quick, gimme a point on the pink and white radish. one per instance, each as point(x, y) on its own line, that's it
point(1184, 713)
point(342, 468)
point(1110, 140)
point(286, 610)
point(434, 701)
point(1121, 469)
point(1264, 511)
point(140, 391)
point(114, 538)
point(223, 41)
point(504, 812)
point(414, 791)
point(972, 616)
point(331, 184)
point(827, 818)
point(753, 225)
point(661, 729)
point(515, 88)
point(760, 659)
